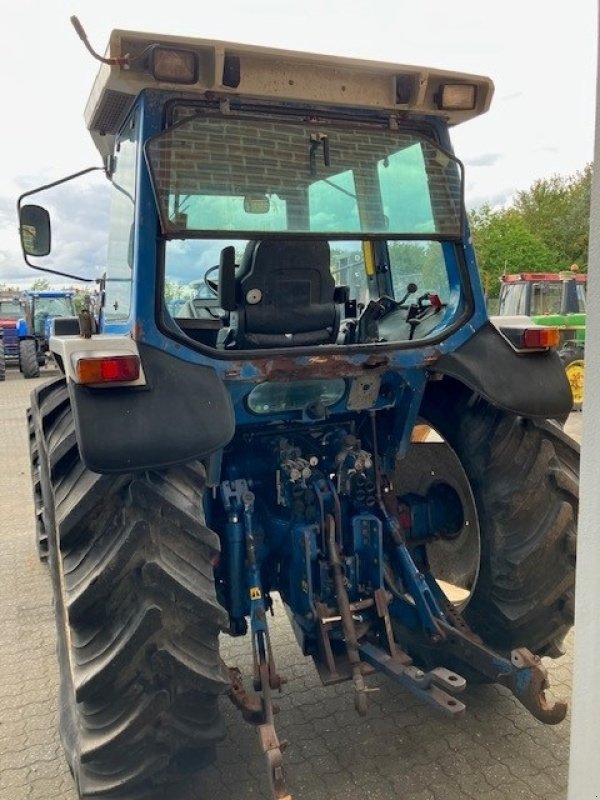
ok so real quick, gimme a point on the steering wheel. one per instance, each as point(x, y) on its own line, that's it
point(212, 285)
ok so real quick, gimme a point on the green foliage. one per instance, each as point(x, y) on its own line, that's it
point(40, 285)
point(420, 262)
point(505, 244)
point(545, 229)
point(558, 209)
point(80, 301)
point(175, 290)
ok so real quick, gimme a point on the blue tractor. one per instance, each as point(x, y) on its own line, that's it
point(42, 308)
point(333, 419)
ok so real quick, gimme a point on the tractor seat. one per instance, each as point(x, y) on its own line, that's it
point(282, 295)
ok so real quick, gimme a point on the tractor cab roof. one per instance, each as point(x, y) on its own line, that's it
point(203, 67)
point(50, 293)
point(544, 277)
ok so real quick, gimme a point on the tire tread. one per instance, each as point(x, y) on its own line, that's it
point(137, 615)
point(524, 474)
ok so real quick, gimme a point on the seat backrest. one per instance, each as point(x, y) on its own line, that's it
point(285, 295)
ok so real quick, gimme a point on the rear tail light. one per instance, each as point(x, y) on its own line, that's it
point(528, 337)
point(108, 369)
point(540, 337)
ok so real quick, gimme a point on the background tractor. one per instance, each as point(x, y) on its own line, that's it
point(11, 310)
point(26, 322)
point(41, 309)
point(556, 299)
point(266, 436)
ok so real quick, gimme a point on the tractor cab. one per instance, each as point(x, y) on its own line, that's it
point(542, 294)
point(44, 306)
point(321, 207)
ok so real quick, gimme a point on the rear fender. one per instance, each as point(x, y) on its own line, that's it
point(532, 384)
point(175, 412)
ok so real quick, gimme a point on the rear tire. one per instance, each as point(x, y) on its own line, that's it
point(41, 537)
point(28, 362)
point(136, 612)
point(2, 362)
point(524, 476)
point(574, 363)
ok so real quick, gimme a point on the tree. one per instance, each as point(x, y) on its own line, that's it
point(504, 243)
point(545, 229)
point(81, 300)
point(418, 262)
point(558, 210)
point(40, 285)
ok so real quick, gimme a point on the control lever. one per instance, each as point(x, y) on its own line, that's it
point(410, 289)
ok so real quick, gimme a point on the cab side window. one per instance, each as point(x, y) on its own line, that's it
point(119, 264)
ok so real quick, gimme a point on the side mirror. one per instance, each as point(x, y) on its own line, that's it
point(34, 229)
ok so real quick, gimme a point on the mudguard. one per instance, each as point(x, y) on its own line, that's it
point(183, 413)
point(532, 384)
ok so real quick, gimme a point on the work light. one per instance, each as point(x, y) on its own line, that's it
point(457, 96)
point(173, 64)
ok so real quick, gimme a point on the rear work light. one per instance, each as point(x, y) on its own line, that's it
point(457, 96)
point(173, 64)
point(108, 369)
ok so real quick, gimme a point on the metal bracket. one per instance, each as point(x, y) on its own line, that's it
point(273, 750)
point(345, 613)
point(248, 703)
point(266, 677)
point(524, 673)
point(435, 687)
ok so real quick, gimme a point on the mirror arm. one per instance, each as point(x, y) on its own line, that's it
point(56, 183)
point(41, 189)
point(56, 272)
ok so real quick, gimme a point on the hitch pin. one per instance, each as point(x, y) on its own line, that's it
point(326, 620)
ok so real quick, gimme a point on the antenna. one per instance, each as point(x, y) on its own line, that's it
point(123, 61)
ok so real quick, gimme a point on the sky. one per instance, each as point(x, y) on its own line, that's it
point(541, 55)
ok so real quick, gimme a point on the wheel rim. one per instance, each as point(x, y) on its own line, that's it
point(455, 562)
point(575, 375)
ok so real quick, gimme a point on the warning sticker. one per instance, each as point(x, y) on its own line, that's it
point(255, 593)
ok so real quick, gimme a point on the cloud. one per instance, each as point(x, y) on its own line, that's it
point(79, 213)
point(484, 160)
point(511, 96)
point(495, 201)
point(552, 150)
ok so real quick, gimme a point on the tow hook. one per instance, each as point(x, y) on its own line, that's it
point(528, 683)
